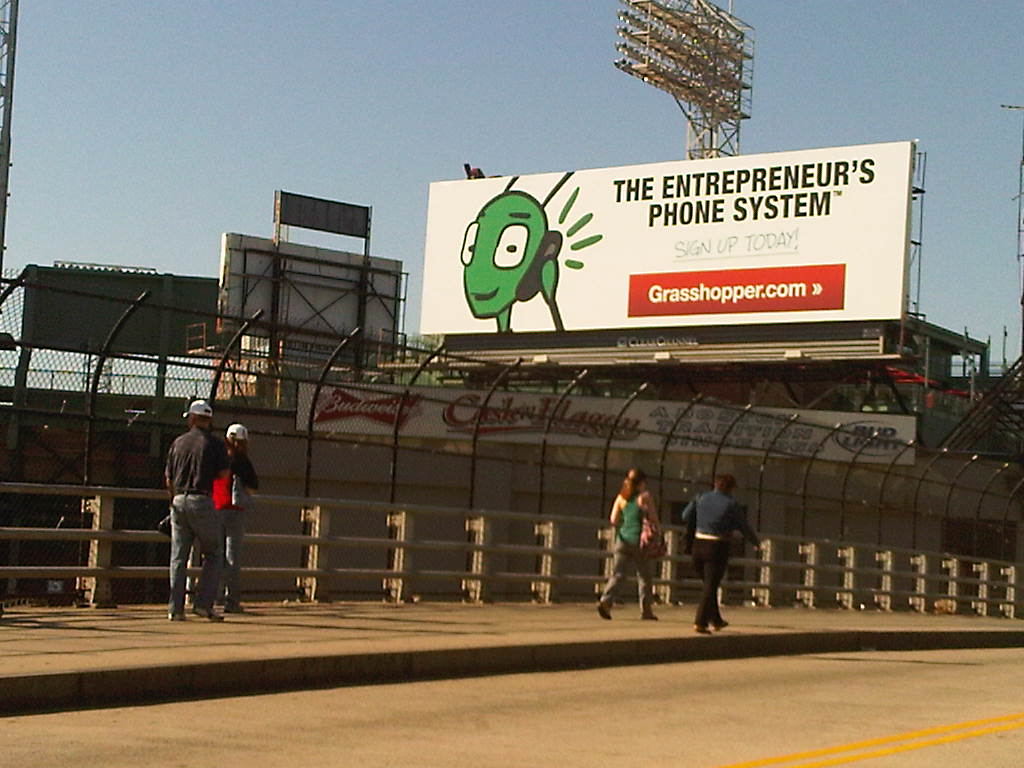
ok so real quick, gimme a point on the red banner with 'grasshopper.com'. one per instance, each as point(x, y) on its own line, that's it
point(766, 289)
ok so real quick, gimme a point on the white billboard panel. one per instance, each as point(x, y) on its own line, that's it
point(520, 417)
point(811, 235)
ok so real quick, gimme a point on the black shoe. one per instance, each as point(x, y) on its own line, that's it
point(719, 626)
point(175, 616)
point(603, 610)
point(701, 629)
point(648, 617)
point(206, 613)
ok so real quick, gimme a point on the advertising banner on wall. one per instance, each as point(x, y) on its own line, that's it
point(449, 414)
point(804, 236)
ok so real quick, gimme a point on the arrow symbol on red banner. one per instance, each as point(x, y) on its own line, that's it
point(816, 289)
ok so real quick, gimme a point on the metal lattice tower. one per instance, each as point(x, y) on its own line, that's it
point(8, 35)
point(700, 55)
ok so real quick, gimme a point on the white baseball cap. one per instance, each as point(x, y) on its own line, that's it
point(199, 408)
point(238, 431)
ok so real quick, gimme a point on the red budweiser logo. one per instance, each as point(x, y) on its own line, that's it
point(336, 404)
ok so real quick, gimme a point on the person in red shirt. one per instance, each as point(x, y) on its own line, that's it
point(231, 496)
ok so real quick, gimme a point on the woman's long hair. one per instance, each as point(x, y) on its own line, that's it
point(633, 479)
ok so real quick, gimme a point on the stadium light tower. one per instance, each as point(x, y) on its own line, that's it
point(700, 55)
point(8, 35)
point(1020, 224)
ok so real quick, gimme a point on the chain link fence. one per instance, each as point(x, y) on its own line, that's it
point(333, 425)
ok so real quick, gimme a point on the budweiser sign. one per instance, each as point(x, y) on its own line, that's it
point(337, 404)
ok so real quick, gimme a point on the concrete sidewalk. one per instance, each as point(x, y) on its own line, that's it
point(66, 658)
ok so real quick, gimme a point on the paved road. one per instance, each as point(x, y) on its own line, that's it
point(742, 712)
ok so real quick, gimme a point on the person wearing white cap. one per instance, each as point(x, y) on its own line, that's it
point(231, 497)
point(194, 461)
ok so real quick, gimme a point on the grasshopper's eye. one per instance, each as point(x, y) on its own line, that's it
point(511, 248)
point(469, 243)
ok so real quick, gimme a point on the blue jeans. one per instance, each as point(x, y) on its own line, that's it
point(234, 533)
point(194, 518)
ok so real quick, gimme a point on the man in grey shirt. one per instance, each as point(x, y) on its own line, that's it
point(196, 458)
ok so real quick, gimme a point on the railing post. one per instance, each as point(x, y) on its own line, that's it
point(846, 596)
point(666, 570)
point(883, 598)
point(481, 534)
point(98, 587)
point(403, 527)
point(982, 570)
point(952, 567)
point(808, 574)
point(316, 520)
point(762, 595)
point(548, 565)
point(919, 600)
point(1009, 606)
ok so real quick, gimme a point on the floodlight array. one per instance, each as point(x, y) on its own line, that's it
point(697, 53)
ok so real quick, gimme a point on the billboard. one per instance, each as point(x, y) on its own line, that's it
point(521, 417)
point(804, 236)
point(306, 288)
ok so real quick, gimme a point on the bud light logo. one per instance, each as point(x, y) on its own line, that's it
point(867, 438)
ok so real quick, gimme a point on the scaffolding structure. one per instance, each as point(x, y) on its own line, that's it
point(700, 55)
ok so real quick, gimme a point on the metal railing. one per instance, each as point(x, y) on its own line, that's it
point(547, 554)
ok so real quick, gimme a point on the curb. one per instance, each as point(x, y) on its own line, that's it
point(31, 694)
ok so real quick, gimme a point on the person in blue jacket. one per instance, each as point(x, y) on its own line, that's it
point(713, 517)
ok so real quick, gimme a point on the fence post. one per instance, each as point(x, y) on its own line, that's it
point(101, 360)
point(846, 597)
point(98, 587)
point(764, 462)
point(807, 475)
point(919, 600)
point(666, 570)
point(219, 370)
point(481, 534)
point(608, 442)
point(403, 527)
point(481, 411)
point(313, 398)
point(808, 574)
point(952, 567)
point(762, 595)
point(317, 521)
point(983, 570)
point(1009, 606)
point(393, 475)
point(548, 565)
point(554, 413)
point(664, 449)
point(883, 598)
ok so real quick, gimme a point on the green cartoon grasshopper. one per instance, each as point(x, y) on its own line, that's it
point(510, 254)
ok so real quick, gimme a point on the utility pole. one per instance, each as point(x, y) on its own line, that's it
point(1020, 223)
point(8, 35)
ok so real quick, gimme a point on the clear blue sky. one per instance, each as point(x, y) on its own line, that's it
point(143, 130)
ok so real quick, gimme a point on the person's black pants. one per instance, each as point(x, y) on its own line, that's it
point(710, 557)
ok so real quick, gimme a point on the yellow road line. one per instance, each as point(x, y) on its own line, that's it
point(1009, 722)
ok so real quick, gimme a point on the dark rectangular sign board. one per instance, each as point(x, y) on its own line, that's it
point(322, 215)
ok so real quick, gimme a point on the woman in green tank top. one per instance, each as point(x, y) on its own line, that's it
point(631, 507)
